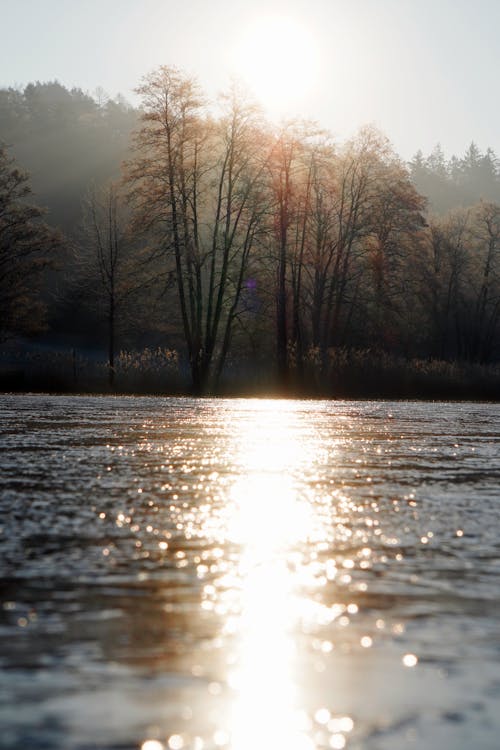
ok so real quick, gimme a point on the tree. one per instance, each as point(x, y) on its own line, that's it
point(352, 191)
point(108, 262)
point(286, 172)
point(363, 211)
point(459, 181)
point(27, 247)
point(463, 283)
point(486, 253)
point(447, 283)
point(344, 220)
point(196, 182)
point(396, 227)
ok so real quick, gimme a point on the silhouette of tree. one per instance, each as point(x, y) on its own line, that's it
point(108, 261)
point(27, 247)
point(196, 183)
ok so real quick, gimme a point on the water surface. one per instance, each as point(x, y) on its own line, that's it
point(248, 574)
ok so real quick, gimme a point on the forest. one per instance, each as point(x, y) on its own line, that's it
point(188, 245)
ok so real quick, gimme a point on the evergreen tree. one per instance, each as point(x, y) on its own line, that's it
point(27, 247)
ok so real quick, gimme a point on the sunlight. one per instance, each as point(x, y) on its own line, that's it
point(267, 516)
point(277, 58)
point(268, 520)
point(266, 513)
point(265, 712)
point(266, 586)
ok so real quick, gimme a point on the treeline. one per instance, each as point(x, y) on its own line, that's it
point(456, 182)
point(66, 139)
point(246, 248)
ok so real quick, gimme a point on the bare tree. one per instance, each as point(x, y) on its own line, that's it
point(486, 231)
point(448, 283)
point(197, 183)
point(108, 260)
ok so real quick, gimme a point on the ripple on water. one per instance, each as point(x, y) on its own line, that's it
point(181, 573)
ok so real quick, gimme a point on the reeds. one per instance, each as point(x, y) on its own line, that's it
point(338, 373)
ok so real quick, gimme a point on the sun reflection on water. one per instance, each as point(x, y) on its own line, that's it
point(266, 512)
point(282, 546)
point(270, 521)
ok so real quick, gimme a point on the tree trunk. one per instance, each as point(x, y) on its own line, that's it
point(111, 344)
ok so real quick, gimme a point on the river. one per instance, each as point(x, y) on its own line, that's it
point(248, 574)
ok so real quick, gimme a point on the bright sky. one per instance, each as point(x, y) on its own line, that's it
point(424, 71)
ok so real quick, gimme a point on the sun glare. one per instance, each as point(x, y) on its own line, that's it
point(271, 449)
point(278, 60)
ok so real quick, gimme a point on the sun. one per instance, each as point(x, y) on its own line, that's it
point(277, 58)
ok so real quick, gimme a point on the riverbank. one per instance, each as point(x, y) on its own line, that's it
point(346, 374)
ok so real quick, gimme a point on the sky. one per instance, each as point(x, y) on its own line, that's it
point(423, 71)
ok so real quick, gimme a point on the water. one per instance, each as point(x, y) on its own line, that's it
point(245, 574)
